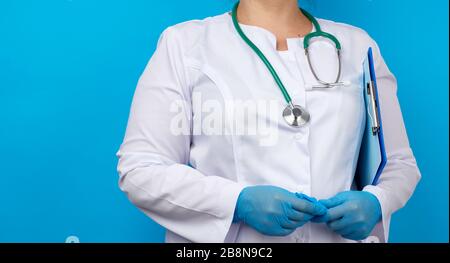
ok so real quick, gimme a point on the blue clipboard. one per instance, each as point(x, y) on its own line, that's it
point(372, 154)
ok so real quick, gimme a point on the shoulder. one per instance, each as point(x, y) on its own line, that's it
point(190, 33)
point(347, 31)
point(355, 41)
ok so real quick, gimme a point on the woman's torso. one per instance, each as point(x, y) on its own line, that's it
point(250, 142)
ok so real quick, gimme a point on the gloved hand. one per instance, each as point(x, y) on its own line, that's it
point(352, 214)
point(273, 210)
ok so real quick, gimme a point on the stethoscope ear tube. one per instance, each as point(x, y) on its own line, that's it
point(324, 83)
point(320, 33)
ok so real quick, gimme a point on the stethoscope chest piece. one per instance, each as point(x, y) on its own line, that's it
point(295, 115)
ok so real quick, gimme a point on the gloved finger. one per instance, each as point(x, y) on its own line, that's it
point(355, 235)
point(292, 225)
point(308, 207)
point(306, 197)
point(295, 215)
point(340, 224)
point(310, 199)
point(289, 225)
point(285, 231)
point(347, 231)
point(320, 219)
point(285, 223)
point(333, 201)
point(334, 213)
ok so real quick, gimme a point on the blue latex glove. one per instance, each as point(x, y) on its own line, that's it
point(352, 214)
point(309, 198)
point(273, 210)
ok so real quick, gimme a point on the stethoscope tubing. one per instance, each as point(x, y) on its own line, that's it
point(318, 33)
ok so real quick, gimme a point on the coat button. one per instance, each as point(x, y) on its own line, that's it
point(298, 136)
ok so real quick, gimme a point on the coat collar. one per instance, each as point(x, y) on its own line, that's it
point(263, 38)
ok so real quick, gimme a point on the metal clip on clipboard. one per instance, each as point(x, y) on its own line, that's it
point(372, 153)
point(374, 103)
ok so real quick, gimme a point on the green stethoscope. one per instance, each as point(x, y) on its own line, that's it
point(294, 115)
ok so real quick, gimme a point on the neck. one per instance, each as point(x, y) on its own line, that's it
point(281, 17)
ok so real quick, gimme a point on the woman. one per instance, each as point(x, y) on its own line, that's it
point(208, 154)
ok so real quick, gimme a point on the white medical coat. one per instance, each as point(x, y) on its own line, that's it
point(189, 183)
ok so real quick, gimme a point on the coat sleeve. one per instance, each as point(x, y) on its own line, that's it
point(401, 174)
point(153, 158)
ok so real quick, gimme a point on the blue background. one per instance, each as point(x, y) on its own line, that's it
point(68, 70)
